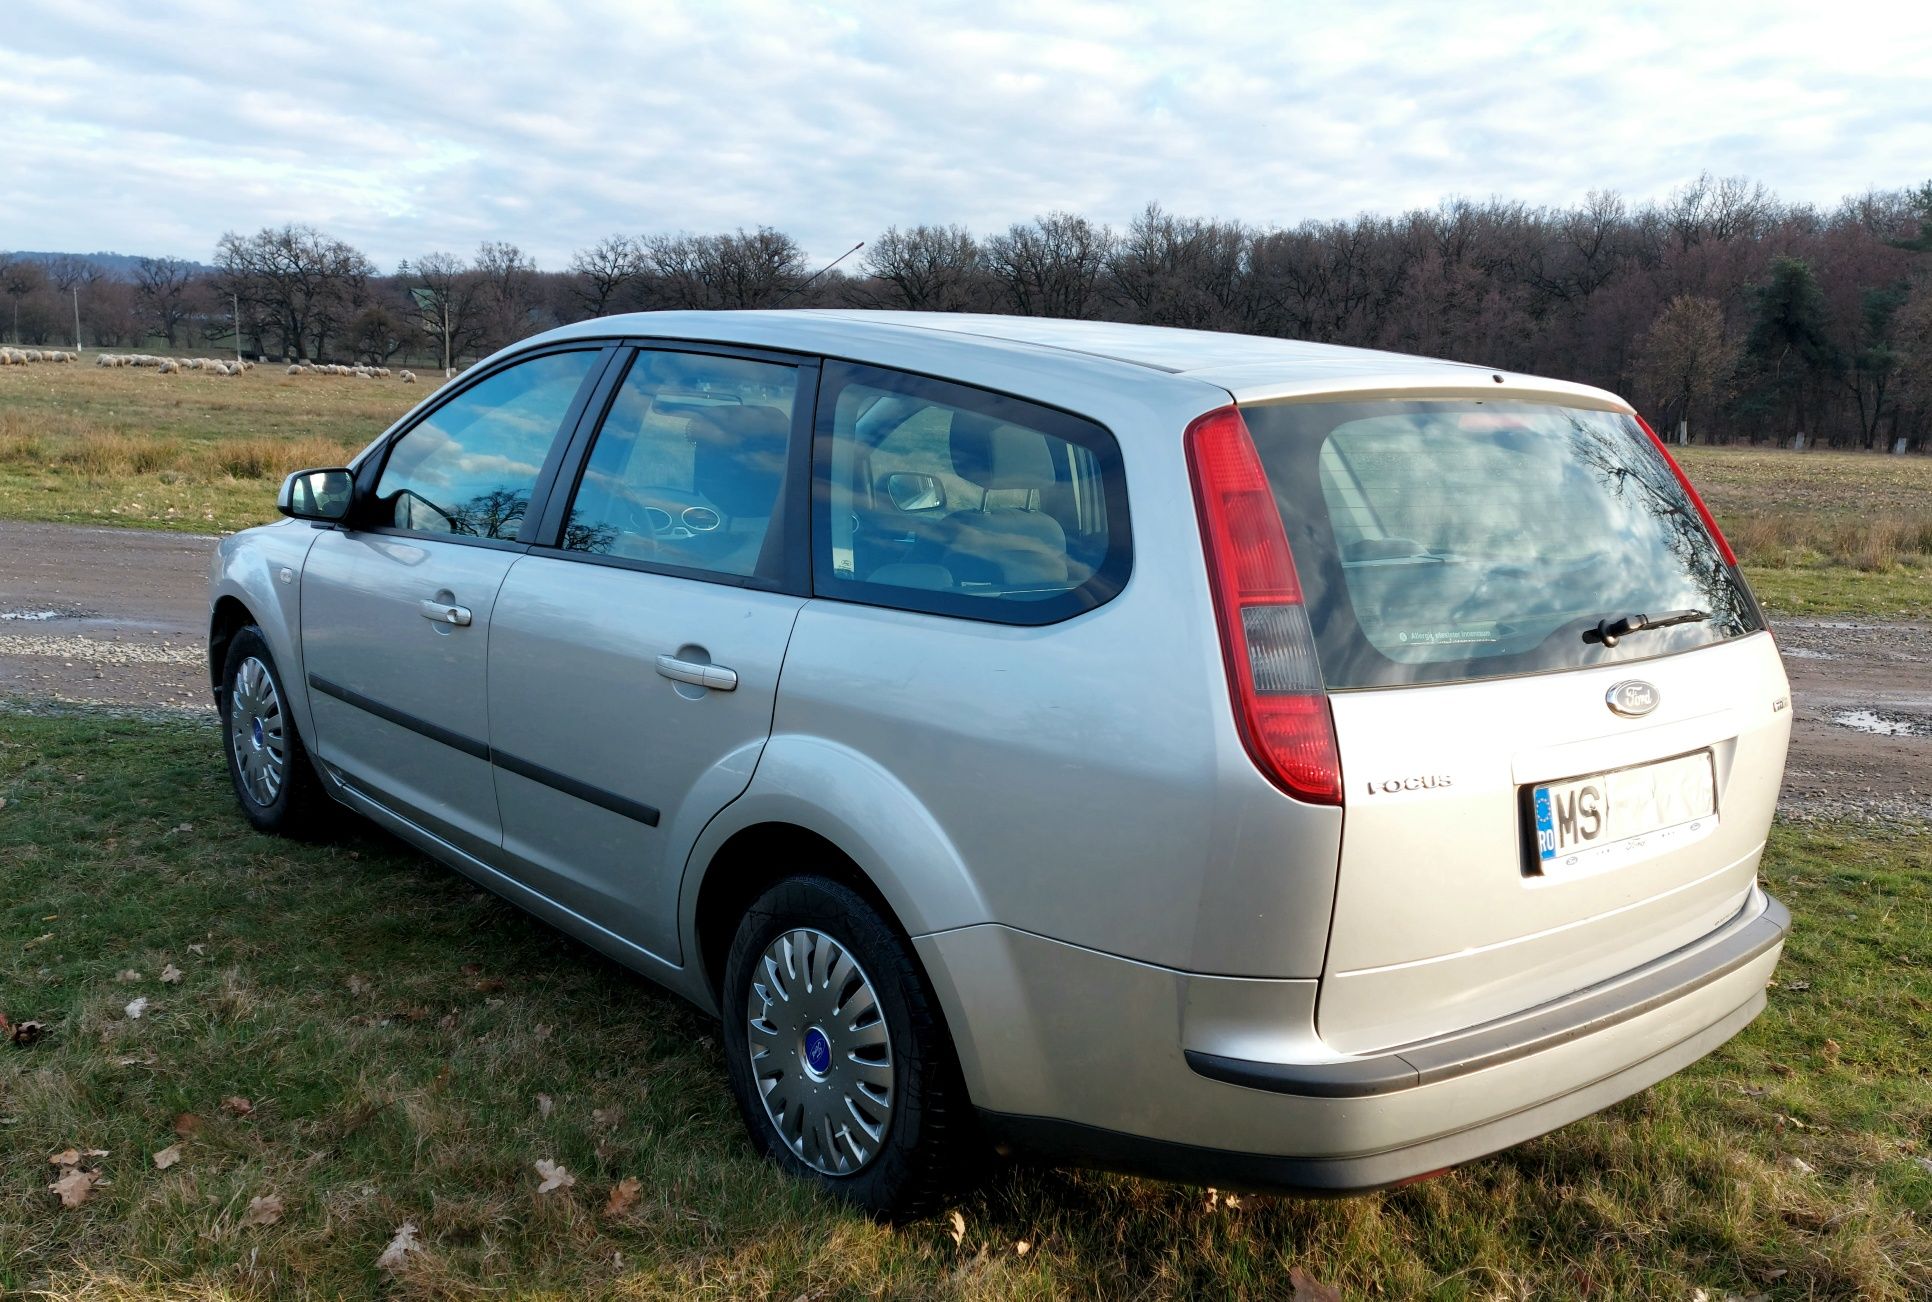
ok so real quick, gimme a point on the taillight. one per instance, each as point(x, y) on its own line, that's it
point(1279, 704)
point(1697, 500)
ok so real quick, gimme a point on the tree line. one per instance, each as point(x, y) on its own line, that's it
point(1722, 307)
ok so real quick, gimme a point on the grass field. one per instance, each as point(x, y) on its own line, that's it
point(409, 1048)
point(1819, 532)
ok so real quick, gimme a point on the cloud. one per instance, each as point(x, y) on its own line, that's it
point(552, 126)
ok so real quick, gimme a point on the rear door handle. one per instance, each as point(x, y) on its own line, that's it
point(443, 612)
point(716, 677)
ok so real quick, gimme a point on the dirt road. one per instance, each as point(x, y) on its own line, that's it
point(117, 617)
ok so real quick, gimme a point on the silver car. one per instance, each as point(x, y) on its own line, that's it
point(1216, 757)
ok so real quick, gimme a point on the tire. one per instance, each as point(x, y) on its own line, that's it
point(889, 1085)
point(268, 766)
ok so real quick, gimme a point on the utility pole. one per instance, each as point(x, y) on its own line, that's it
point(447, 372)
point(236, 299)
point(77, 342)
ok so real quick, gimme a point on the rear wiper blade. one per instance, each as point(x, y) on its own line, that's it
point(1611, 631)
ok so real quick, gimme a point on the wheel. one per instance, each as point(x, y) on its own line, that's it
point(837, 1053)
point(267, 762)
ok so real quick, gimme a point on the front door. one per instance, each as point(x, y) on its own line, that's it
point(396, 610)
point(634, 667)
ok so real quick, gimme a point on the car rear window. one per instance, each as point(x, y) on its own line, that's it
point(1447, 540)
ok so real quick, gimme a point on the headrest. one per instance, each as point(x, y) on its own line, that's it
point(993, 454)
point(740, 457)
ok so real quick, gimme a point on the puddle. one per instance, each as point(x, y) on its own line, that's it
point(31, 615)
point(1880, 724)
point(1805, 653)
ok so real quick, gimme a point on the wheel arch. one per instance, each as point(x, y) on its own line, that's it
point(229, 617)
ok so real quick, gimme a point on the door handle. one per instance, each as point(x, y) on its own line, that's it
point(716, 677)
point(443, 612)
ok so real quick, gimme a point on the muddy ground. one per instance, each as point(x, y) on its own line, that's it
point(117, 617)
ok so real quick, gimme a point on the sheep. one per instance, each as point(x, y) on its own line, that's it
point(409, 377)
point(169, 367)
point(293, 369)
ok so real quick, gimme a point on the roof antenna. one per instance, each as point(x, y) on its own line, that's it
point(821, 271)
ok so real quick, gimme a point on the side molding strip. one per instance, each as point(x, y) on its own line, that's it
point(635, 810)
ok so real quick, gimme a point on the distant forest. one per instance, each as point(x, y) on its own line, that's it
point(1749, 318)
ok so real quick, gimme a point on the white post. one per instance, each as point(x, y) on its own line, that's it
point(77, 342)
point(237, 301)
point(447, 372)
point(1683, 433)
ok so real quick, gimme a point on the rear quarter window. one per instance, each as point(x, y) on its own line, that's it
point(1441, 541)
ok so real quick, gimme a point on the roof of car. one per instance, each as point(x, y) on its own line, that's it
point(1245, 364)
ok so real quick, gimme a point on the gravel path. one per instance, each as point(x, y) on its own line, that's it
point(117, 617)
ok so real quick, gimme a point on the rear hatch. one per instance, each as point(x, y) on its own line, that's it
point(1537, 797)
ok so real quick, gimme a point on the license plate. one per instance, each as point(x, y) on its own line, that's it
point(1632, 813)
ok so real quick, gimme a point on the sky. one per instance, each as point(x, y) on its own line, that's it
point(150, 127)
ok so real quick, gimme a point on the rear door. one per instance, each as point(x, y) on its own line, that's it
point(396, 609)
point(634, 657)
point(1531, 805)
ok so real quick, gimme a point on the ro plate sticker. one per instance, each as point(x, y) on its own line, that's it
point(1545, 826)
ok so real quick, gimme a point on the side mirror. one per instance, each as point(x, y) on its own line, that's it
point(911, 492)
point(317, 495)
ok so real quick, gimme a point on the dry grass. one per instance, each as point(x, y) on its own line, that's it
point(1864, 511)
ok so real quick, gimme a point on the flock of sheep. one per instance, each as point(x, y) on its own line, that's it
point(360, 372)
point(174, 365)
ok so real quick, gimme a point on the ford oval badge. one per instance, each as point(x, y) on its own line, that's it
point(1632, 698)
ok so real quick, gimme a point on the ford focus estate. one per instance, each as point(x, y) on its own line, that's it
point(1216, 757)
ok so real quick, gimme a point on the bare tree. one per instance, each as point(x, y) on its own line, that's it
point(71, 271)
point(1051, 266)
point(305, 284)
point(602, 272)
point(20, 278)
point(1176, 271)
point(927, 268)
point(447, 295)
point(163, 294)
point(509, 291)
point(731, 271)
point(1685, 359)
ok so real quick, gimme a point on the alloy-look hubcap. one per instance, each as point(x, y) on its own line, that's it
point(256, 732)
point(820, 1051)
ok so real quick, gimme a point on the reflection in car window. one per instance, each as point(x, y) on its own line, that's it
point(687, 466)
point(950, 499)
point(1441, 541)
point(469, 467)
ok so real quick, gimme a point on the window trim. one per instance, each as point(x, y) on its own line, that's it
point(369, 469)
point(1107, 581)
point(790, 516)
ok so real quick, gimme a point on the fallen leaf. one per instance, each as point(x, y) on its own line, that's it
point(541, 1031)
point(186, 1124)
point(1231, 1201)
point(358, 986)
point(75, 1185)
point(236, 1105)
point(1799, 1165)
point(554, 1176)
point(1924, 1164)
point(545, 1104)
point(399, 1247)
point(1306, 1288)
point(265, 1210)
point(1831, 1050)
point(1021, 1248)
point(959, 1228)
point(184, 827)
point(167, 1157)
point(171, 975)
point(623, 1195)
point(66, 1157)
point(25, 1034)
point(606, 1118)
point(197, 949)
point(136, 1008)
point(471, 969)
point(126, 975)
point(1797, 985)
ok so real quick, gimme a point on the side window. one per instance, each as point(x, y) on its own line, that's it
point(687, 467)
point(470, 466)
point(954, 500)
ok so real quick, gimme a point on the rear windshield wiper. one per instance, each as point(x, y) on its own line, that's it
point(1611, 631)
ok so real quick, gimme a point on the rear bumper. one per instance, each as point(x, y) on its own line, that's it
point(1075, 1056)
